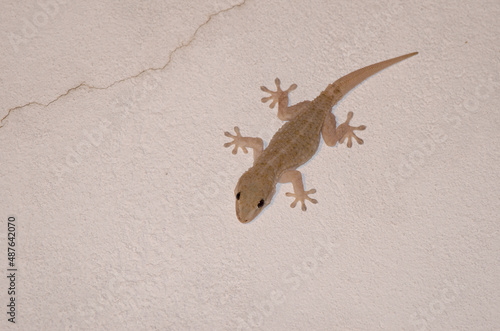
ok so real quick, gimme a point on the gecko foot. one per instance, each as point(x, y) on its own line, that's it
point(347, 131)
point(302, 196)
point(278, 94)
point(237, 141)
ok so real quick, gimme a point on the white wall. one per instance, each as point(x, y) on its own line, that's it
point(123, 193)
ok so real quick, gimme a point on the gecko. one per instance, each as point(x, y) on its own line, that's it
point(295, 142)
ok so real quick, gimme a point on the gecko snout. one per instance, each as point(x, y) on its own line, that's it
point(253, 192)
point(238, 215)
point(245, 213)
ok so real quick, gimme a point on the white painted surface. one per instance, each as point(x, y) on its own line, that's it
point(124, 196)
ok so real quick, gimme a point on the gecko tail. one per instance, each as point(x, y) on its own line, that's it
point(343, 85)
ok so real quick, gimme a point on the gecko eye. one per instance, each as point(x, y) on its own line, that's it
point(261, 203)
point(238, 196)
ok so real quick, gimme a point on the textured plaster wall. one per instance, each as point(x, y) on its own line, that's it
point(111, 160)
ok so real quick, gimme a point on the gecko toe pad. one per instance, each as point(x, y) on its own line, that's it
point(302, 196)
point(278, 94)
point(237, 141)
point(348, 131)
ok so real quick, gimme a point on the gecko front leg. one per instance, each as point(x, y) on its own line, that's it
point(256, 144)
point(295, 177)
point(333, 134)
point(285, 113)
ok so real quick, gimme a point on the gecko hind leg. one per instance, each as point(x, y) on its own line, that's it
point(285, 112)
point(295, 177)
point(256, 144)
point(333, 134)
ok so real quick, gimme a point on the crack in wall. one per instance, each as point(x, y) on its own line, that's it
point(91, 87)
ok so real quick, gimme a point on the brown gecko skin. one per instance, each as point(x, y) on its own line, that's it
point(295, 142)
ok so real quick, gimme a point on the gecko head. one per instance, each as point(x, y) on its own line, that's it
point(253, 193)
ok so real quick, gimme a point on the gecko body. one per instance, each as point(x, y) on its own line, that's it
point(295, 142)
